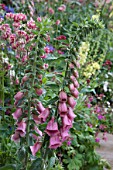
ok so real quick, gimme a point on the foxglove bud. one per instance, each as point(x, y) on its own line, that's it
point(71, 102)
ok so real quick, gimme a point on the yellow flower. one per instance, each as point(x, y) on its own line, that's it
point(95, 17)
point(96, 66)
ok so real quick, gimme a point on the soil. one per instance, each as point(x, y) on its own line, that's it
point(106, 149)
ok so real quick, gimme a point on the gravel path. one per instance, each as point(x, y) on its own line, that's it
point(106, 149)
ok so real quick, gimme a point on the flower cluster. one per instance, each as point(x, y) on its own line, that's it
point(83, 52)
point(91, 69)
point(66, 105)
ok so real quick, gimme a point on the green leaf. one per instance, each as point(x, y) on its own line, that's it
point(8, 167)
point(87, 90)
point(21, 153)
point(37, 164)
point(53, 100)
point(51, 162)
point(52, 85)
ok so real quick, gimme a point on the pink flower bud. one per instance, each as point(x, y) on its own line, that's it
point(17, 113)
point(75, 73)
point(62, 8)
point(51, 11)
point(63, 96)
point(40, 107)
point(77, 64)
point(75, 93)
point(39, 19)
point(21, 128)
point(18, 96)
point(44, 115)
point(71, 114)
point(39, 92)
point(76, 84)
point(72, 78)
point(17, 82)
point(71, 102)
point(38, 131)
point(71, 65)
point(57, 22)
point(24, 79)
point(71, 87)
point(35, 148)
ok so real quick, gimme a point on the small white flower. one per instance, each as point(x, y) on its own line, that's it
point(105, 86)
point(106, 76)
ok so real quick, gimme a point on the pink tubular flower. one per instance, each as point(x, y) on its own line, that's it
point(40, 107)
point(64, 134)
point(18, 96)
point(57, 22)
point(44, 115)
point(38, 131)
point(63, 96)
point(71, 102)
point(55, 142)
point(35, 148)
point(67, 122)
point(75, 93)
point(62, 107)
point(52, 128)
point(17, 113)
point(21, 128)
point(15, 137)
point(36, 119)
point(71, 114)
